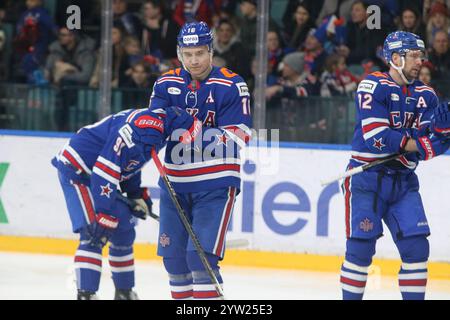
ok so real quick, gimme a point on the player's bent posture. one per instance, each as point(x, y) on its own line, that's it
point(393, 116)
point(97, 162)
point(205, 173)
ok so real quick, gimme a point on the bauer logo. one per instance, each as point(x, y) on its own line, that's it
point(148, 122)
point(192, 39)
point(174, 91)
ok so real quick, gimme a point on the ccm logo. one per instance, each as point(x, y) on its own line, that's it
point(146, 122)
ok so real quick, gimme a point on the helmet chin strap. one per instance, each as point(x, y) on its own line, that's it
point(400, 69)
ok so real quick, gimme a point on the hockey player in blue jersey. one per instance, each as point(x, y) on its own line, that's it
point(98, 161)
point(393, 116)
point(205, 173)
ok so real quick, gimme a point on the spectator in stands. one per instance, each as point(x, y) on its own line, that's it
point(337, 80)
point(248, 26)
point(313, 8)
point(361, 43)
point(341, 9)
point(315, 55)
point(426, 71)
point(119, 63)
point(34, 32)
point(411, 21)
point(439, 55)
point(127, 20)
point(159, 34)
point(300, 23)
point(140, 78)
point(271, 78)
point(438, 21)
point(195, 10)
point(71, 58)
point(275, 50)
point(227, 46)
point(295, 81)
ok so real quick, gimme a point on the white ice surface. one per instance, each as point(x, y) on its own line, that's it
point(50, 277)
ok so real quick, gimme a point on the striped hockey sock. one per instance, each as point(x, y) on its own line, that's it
point(181, 286)
point(121, 260)
point(353, 280)
point(88, 267)
point(412, 280)
point(203, 288)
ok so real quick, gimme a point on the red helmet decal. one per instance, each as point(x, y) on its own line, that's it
point(149, 122)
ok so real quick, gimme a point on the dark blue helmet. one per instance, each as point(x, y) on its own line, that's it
point(401, 42)
point(194, 34)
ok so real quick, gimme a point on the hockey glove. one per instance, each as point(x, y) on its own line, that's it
point(101, 229)
point(177, 118)
point(440, 119)
point(431, 145)
point(141, 207)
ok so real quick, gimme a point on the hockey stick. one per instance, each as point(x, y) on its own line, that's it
point(187, 225)
point(362, 168)
point(232, 243)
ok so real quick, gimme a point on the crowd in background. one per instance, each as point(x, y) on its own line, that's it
point(318, 48)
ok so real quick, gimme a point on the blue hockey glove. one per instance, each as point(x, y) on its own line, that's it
point(432, 145)
point(101, 229)
point(440, 119)
point(141, 207)
point(177, 118)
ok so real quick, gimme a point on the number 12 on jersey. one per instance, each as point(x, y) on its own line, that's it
point(365, 100)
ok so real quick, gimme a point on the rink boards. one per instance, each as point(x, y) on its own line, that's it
point(290, 220)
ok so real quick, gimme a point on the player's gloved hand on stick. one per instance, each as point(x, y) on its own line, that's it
point(440, 120)
point(177, 118)
point(432, 145)
point(102, 229)
point(141, 207)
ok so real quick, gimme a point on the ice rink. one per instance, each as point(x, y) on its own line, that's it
point(51, 277)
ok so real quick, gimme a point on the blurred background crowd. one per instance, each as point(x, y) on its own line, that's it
point(316, 48)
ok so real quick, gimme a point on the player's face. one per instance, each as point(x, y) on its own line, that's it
point(197, 60)
point(413, 63)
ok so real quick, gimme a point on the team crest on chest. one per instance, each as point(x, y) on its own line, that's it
point(191, 99)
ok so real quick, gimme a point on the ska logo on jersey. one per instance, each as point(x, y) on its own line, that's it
point(164, 240)
point(131, 165)
point(366, 225)
point(378, 143)
point(191, 99)
point(106, 190)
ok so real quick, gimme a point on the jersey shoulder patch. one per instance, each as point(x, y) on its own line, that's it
point(172, 72)
point(227, 73)
point(367, 85)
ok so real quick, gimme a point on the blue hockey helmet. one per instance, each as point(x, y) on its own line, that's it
point(194, 34)
point(401, 42)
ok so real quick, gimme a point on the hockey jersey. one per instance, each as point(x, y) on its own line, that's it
point(109, 155)
point(222, 103)
point(386, 114)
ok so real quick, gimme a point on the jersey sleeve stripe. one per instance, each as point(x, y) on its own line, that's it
point(109, 164)
point(200, 171)
point(106, 176)
point(203, 164)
